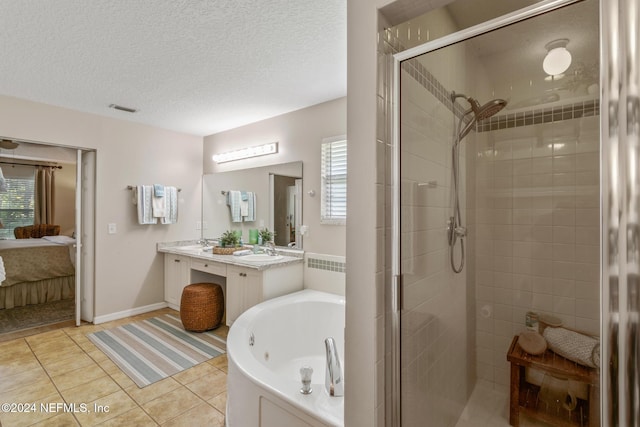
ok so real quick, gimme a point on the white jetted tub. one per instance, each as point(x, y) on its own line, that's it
point(266, 347)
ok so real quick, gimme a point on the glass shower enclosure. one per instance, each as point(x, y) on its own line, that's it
point(496, 207)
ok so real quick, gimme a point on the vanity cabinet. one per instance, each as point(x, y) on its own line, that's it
point(244, 290)
point(244, 286)
point(177, 272)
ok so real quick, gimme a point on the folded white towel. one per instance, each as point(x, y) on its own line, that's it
point(159, 205)
point(574, 346)
point(243, 252)
point(3, 273)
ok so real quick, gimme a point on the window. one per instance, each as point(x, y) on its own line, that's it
point(334, 181)
point(17, 203)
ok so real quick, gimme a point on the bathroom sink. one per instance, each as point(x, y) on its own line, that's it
point(260, 258)
point(196, 248)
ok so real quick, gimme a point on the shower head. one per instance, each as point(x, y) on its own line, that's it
point(479, 112)
point(487, 110)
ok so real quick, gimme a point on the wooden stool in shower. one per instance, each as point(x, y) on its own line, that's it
point(524, 396)
point(201, 307)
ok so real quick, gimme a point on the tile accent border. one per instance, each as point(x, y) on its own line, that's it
point(321, 264)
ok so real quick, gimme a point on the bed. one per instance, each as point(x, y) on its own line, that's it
point(37, 270)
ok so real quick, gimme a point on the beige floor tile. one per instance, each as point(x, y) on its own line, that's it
point(78, 376)
point(133, 418)
point(219, 402)
point(11, 350)
point(37, 389)
point(209, 385)
point(201, 415)
point(22, 378)
point(46, 336)
point(53, 344)
point(91, 390)
point(34, 414)
point(194, 373)
point(220, 362)
point(62, 420)
point(150, 392)
point(106, 408)
point(171, 404)
point(18, 365)
point(61, 366)
point(122, 379)
point(64, 353)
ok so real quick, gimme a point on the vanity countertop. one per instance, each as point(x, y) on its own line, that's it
point(191, 249)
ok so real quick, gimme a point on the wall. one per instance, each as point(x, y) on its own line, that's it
point(129, 272)
point(299, 134)
point(538, 232)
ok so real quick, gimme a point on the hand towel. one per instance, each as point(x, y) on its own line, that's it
point(234, 205)
point(251, 207)
point(580, 348)
point(145, 194)
point(172, 205)
point(158, 190)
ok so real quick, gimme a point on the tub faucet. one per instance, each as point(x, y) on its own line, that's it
point(333, 374)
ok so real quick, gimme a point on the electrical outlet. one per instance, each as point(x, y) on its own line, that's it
point(111, 228)
point(198, 225)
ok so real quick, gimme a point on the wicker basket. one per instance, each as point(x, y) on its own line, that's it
point(201, 307)
point(227, 251)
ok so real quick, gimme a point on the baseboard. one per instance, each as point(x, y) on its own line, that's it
point(127, 313)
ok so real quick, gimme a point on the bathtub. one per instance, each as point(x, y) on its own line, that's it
point(266, 347)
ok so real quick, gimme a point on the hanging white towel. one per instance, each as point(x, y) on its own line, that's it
point(171, 194)
point(3, 273)
point(251, 207)
point(159, 206)
point(145, 210)
point(234, 205)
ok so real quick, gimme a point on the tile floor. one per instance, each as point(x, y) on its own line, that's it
point(63, 366)
point(490, 408)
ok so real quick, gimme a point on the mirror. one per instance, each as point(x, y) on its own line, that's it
point(278, 202)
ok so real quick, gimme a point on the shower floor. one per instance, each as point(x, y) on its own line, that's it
point(490, 408)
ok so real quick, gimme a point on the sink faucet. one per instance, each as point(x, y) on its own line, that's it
point(270, 249)
point(203, 242)
point(333, 381)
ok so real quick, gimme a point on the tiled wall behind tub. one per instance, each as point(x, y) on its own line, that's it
point(538, 233)
point(325, 273)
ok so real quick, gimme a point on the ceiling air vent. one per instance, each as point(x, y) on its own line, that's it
point(121, 108)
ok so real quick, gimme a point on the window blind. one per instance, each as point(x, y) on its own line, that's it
point(17, 204)
point(334, 181)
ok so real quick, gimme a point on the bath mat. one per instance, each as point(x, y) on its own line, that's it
point(156, 348)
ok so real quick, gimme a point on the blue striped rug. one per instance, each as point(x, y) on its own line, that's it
point(156, 348)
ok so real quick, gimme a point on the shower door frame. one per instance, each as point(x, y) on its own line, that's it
point(395, 291)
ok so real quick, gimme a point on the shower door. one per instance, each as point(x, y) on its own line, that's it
point(525, 177)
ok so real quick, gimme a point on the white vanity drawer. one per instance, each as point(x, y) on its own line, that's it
point(210, 267)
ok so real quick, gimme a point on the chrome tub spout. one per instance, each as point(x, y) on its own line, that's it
point(333, 380)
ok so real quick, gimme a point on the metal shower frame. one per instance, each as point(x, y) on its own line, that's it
point(619, 201)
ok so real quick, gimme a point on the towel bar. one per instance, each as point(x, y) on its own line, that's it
point(131, 187)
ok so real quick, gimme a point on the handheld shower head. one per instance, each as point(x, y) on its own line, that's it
point(485, 111)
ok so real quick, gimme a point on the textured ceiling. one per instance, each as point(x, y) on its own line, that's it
point(195, 66)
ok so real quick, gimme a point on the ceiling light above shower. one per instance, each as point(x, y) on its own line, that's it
point(558, 58)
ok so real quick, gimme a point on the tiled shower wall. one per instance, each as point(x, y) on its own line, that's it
point(537, 215)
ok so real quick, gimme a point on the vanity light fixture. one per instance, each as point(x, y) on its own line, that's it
point(245, 153)
point(558, 58)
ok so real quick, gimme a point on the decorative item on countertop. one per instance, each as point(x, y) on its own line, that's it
point(229, 243)
point(575, 346)
point(265, 235)
point(253, 236)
